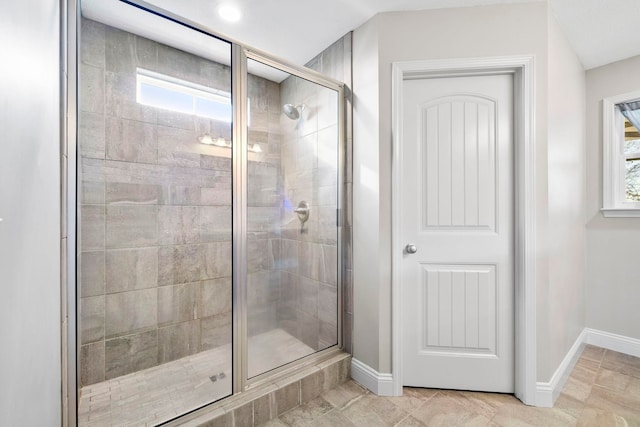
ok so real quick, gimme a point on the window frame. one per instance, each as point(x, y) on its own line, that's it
point(614, 203)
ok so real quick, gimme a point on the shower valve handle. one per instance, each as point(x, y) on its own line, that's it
point(302, 211)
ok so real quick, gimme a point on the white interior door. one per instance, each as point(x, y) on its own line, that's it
point(458, 211)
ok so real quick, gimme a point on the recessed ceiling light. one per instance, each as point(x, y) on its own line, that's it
point(229, 12)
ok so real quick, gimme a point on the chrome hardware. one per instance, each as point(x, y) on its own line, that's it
point(303, 211)
point(410, 248)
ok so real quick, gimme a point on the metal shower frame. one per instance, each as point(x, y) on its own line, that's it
point(240, 54)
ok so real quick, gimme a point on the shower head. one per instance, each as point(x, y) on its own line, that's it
point(292, 112)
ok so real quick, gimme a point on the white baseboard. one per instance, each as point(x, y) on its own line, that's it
point(369, 378)
point(548, 392)
point(619, 343)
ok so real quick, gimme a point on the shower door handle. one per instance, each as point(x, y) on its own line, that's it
point(302, 211)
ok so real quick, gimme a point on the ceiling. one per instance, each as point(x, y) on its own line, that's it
point(600, 31)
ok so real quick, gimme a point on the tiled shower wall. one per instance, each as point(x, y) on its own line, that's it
point(155, 210)
point(308, 303)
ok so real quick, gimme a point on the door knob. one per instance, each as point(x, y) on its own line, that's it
point(411, 248)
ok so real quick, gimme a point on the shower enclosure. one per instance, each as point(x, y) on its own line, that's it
point(209, 184)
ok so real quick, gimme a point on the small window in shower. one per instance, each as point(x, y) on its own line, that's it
point(170, 93)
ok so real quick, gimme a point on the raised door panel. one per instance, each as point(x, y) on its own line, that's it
point(457, 140)
point(459, 306)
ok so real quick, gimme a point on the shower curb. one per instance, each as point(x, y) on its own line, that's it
point(269, 400)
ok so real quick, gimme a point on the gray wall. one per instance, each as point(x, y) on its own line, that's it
point(612, 275)
point(400, 36)
point(521, 29)
point(561, 298)
point(371, 267)
point(30, 233)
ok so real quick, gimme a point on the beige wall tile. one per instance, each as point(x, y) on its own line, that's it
point(264, 409)
point(215, 297)
point(91, 135)
point(131, 141)
point(183, 195)
point(92, 47)
point(125, 51)
point(120, 99)
point(258, 255)
point(215, 162)
point(92, 227)
point(217, 260)
point(179, 340)
point(131, 226)
point(131, 269)
point(287, 397)
point(308, 296)
point(92, 273)
point(92, 319)
point(243, 416)
point(91, 93)
point(215, 223)
point(131, 353)
point(215, 196)
point(311, 386)
point(91, 364)
point(124, 193)
point(130, 312)
point(178, 225)
point(178, 303)
point(180, 264)
point(92, 193)
point(311, 262)
point(215, 331)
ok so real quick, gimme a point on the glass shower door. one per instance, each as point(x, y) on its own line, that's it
point(154, 218)
point(292, 230)
point(191, 245)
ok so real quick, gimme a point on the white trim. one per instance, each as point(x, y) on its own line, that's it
point(614, 204)
point(548, 392)
point(619, 343)
point(380, 384)
point(524, 120)
point(621, 213)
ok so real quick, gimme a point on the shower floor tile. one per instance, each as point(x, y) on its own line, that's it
point(158, 394)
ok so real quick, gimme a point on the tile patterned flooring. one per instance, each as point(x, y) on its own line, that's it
point(158, 394)
point(602, 390)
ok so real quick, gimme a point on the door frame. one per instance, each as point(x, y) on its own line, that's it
point(522, 68)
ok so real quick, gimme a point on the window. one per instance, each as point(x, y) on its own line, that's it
point(621, 155)
point(632, 161)
point(169, 93)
